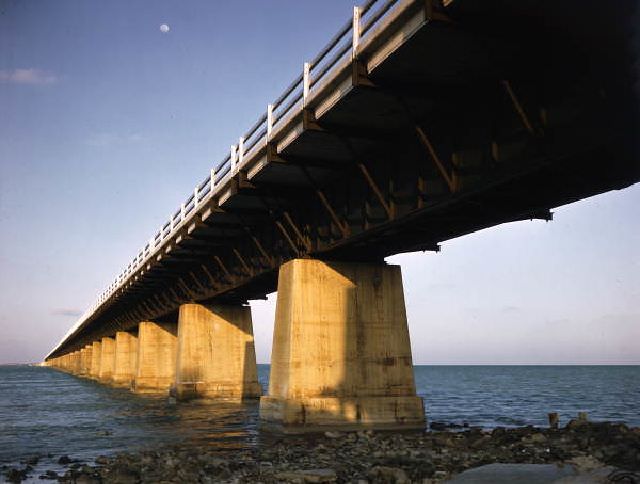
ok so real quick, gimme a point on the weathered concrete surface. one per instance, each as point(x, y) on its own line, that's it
point(341, 351)
point(126, 349)
point(85, 360)
point(88, 359)
point(216, 355)
point(156, 367)
point(107, 359)
point(75, 362)
point(95, 359)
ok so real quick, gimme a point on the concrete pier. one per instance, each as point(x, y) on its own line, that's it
point(95, 360)
point(216, 355)
point(125, 359)
point(107, 359)
point(156, 357)
point(341, 351)
point(85, 360)
point(75, 362)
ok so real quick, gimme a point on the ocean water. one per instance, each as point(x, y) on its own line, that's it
point(43, 411)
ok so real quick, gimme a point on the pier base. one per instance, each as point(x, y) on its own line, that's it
point(125, 360)
point(216, 354)
point(107, 357)
point(156, 367)
point(95, 360)
point(341, 351)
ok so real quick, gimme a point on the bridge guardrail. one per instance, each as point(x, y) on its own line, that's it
point(345, 42)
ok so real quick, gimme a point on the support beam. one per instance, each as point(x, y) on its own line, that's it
point(156, 357)
point(341, 351)
point(216, 354)
point(107, 359)
point(125, 359)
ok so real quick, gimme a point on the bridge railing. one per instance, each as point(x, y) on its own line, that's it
point(344, 44)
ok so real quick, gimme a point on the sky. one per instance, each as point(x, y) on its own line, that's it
point(111, 112)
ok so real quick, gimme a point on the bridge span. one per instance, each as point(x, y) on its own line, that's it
point(419, 122)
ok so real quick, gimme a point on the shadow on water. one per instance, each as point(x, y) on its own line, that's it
point(43, 411)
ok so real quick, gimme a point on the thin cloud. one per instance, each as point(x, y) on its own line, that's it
point(510, 309)
point(67, 312)
point(27, 76)
point(103, 140)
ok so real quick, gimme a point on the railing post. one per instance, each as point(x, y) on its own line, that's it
point(306, 85)
point(195, 196)
point(269, 121)
point(240, 150)
point(183, 209)
point(233, 157)
point(212, 180)
point(356, 31)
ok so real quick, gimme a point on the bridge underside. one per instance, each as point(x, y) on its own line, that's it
point(474, 115)
point(497, 114)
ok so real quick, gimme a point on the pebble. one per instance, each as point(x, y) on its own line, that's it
point(308, 475)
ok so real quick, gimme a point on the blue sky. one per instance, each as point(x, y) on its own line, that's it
point(107, 123)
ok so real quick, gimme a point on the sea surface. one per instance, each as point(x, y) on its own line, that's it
point(44, 411)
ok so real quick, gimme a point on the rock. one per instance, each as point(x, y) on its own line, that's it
point(585, 464)
point(536, 438)
point(440, 474)
point(32, 461)
point(333, 435)
point(16, 475)
point(85, 479)
point(64, 460)
point(388, 474)
point(553, 420)
point(124, 475)
point(102, 460)
point(308, 475)
point(438, 426)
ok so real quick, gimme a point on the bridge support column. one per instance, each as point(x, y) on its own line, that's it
point(341, 351)
point(83, 358)
point(86, 357)
point(95, 359)
point(107, 357)
point(126, 349)
point(216, 355)
point(75, 362)
point(156, 367)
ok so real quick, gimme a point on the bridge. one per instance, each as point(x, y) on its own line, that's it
point(419, 122)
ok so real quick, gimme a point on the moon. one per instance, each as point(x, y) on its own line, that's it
point(164, 28)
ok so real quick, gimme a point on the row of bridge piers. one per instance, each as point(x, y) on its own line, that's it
point(341, 355)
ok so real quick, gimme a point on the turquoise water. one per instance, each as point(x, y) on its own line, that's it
point(44, 411)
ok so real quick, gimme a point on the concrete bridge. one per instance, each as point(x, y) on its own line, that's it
point(419, 122)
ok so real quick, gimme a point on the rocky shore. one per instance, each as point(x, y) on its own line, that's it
point(366, 456)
